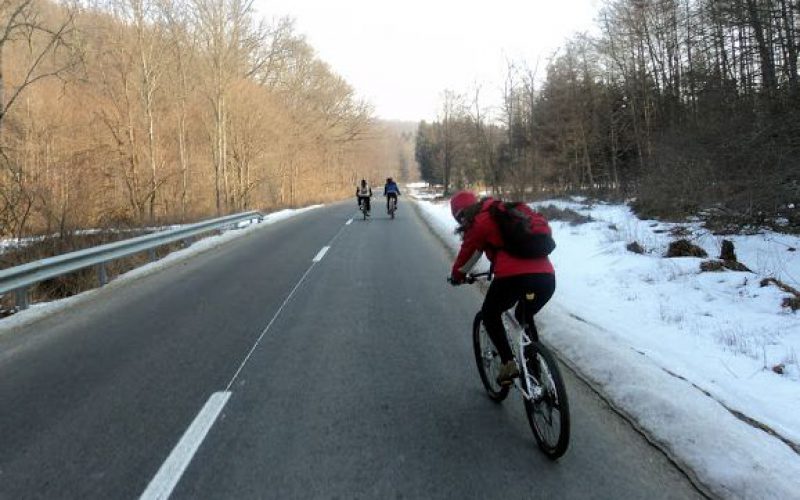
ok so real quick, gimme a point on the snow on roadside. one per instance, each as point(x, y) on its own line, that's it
point(660, 319)
point(424, 190)
point(42, 309)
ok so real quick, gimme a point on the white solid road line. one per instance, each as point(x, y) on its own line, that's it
point(321, 253)
point(172, 469)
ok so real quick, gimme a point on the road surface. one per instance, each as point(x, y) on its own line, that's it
point(272, 367)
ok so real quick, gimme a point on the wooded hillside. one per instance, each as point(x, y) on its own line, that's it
point(136, 112)
point(684, 104)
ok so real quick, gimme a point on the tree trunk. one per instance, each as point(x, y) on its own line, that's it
point(765, 54)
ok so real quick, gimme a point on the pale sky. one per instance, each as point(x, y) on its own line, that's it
point(401, 55)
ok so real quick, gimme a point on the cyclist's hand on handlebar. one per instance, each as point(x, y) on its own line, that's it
point(456, 279)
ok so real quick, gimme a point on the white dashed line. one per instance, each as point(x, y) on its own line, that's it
point(280, 309)
point(321, 254)
point(172, 469)
point(348, 222)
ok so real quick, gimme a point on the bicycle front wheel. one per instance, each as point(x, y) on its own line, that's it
point(488, 359)
point(548, 411)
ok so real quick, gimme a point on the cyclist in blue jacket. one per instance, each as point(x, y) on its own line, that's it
point(391, 191)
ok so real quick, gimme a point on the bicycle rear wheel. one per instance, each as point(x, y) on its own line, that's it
point(488, 361)
point(548, 414)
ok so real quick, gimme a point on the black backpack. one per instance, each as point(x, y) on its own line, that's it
point(525, 234)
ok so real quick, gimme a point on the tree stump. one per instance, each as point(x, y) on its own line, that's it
point(683, 248)
point(728, 252)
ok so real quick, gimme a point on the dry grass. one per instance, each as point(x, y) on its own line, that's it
point(552, 212)
point(792, 302)
point(685, 248)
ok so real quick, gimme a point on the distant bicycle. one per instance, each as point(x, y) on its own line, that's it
point(363, 207)
point(540, 383)
point(392, 206)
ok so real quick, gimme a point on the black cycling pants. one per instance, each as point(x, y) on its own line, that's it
point(365, 199)
point(389, 196)
point(534, 289)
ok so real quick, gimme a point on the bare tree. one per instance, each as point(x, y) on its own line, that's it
point(44, 30)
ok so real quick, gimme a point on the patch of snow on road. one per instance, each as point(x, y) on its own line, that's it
point(651, 331)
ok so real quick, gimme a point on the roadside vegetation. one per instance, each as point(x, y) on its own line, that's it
point(686, 108)
point(121, 116)
point(133, 113)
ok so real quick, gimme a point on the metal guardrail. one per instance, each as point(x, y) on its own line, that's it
point(19, 279)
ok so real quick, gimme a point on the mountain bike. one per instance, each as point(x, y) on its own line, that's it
point(363, 207)
point(540, 382)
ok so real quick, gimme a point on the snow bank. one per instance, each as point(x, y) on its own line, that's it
point(677, 349)
point(423, 190)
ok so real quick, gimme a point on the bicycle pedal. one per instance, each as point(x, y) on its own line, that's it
point(506, 382)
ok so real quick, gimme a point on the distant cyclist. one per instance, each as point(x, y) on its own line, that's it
point(516, 278)
point(363, 194)
point(391, 192)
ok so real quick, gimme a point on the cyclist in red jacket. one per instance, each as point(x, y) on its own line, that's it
point(515, 279)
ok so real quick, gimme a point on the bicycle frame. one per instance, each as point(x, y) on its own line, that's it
point(536, 390)
point(539, 379)
point(362, 205)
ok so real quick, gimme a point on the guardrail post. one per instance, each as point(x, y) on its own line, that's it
point(21, 298)
point(152, 254)
point(102, 276)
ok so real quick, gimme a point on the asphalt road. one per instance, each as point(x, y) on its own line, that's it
point(271, 368)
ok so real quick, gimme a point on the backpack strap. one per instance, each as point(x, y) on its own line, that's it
point(493, 208)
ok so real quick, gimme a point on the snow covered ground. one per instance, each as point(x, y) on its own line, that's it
point(39, 310)
point(688, 355)
point(423, 191)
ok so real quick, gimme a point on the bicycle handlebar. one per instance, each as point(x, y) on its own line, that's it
point(472, 278)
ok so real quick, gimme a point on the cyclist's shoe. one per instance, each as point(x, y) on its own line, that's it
point(508, 372)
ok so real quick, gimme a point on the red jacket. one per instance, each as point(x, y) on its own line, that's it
point(484, 237)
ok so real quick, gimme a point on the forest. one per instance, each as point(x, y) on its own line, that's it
point(133, 113)
point(682, 106)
